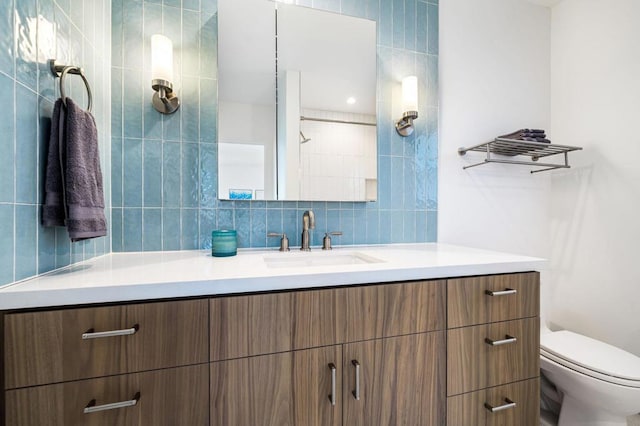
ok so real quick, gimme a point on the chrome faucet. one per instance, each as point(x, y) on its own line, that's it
point(308, 222)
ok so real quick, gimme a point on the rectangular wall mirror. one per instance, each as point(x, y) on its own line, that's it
point(296, 103)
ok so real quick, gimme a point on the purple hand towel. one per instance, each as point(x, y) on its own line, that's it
point(73, 182)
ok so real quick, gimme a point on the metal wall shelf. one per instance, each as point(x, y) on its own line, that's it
point(513, 147)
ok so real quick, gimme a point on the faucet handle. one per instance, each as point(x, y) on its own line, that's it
point(284, 241)
point(326, 241)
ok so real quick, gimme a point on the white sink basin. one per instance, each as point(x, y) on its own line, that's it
point(328, 258)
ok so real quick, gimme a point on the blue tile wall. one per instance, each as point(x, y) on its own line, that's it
point(31, 33)
point(164, 167)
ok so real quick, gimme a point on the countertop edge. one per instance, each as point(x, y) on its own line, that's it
point(44, 298)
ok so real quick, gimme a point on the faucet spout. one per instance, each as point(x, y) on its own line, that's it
point(308, 222)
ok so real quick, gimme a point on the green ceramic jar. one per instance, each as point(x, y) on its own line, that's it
point(224, 243)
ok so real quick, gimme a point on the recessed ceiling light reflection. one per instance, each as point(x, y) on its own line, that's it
point(351, 100)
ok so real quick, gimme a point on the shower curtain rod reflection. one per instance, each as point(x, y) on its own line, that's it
point(327, 120)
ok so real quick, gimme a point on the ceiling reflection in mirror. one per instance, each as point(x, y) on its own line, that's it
point(296, 122)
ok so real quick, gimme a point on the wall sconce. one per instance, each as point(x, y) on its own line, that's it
point(164, 100)
point(409, 105)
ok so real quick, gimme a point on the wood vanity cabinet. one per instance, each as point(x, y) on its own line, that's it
point(493, 350)
point(363, 355)
point(65, 367)
point(407, 353)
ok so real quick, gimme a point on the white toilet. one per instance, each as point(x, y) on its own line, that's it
point(600, 383)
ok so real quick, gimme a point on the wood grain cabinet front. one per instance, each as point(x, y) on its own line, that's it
point(70, 344)
point(395, 381)
point(289, 388)
point(491, 298)
point(492, 354)
point(493, 344)
point(332, 344)
point(395, 309)
point(261, 324)
point(374, 354)
point(169, 397)
point(514, 404)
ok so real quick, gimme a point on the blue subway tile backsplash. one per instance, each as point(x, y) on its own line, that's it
point(31, 33)
point(26, 149)
point(7, 143)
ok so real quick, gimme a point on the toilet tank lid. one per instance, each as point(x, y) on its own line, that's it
point(592, 354)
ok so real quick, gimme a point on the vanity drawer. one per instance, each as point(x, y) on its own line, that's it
point(470, 409)
point(175, 396)
point(473, 362)
point(63, 345)
point(268, 323)
point(491, 298)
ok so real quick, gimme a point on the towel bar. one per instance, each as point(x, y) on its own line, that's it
point(61, 71)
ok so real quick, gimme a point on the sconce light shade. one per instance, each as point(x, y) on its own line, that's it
point(161, 58)
point(164, 100)
point(404, 126)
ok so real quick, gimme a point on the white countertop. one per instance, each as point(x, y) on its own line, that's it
point(121, 277)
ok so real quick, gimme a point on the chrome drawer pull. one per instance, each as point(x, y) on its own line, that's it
point(332, 397)
point(505, 292)
point(90, 334)
point(509, 404)
point(507, 339)
point(93, 408)
point(356, 393)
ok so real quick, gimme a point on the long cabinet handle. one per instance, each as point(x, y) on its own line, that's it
point(509, 404)
point(332, 396)
point(507, 339)
point(90, 334)
point(505, 292)
point(93, 408)
point(356, 393)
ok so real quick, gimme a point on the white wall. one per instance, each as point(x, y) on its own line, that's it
point(240, 166)
point(595, 230)
point(233, 129)
point(289, 135)
point(494, 78)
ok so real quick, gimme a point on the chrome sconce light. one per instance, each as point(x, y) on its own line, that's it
point(164, 100)
point(404, 126)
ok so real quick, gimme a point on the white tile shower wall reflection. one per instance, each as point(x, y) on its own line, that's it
point(325, 174)
point(164, 173)
point(31, 33)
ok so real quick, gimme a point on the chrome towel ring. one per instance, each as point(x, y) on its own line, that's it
point(62, 71)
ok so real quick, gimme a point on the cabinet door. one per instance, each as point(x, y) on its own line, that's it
point(401, 381)
point(317, 386)
point(175, 396)
point(290, 388)
point(395, 309)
